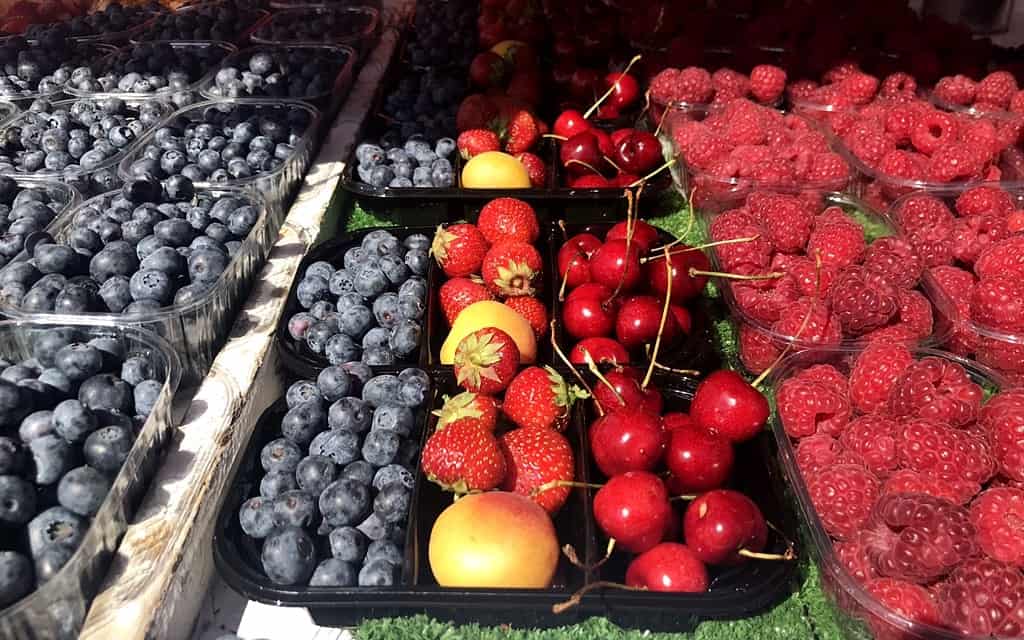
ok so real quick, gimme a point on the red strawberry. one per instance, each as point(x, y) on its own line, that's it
point(459, 249)
point(463, 457)
point(874, 373)
point(533, 310)
point(936, 389)
point(485, 361)
point(522, 133)
point(458, 293)
point(910, 600)
point(470, 408)
point(512, 268)
point(535, 168)
point(843, 496)
point(873, 439)
point(539, 397)
point(945, 453)
point(504, 219)
point(997, 515)
point(477, 141)
point(983, 598)
point(534, 458)
point(909, 481)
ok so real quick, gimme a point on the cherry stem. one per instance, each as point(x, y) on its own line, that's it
point(611, 89)
point(735, 276)
point(664, 115)
point(789, 554)
point(661, 325)
point(692, 213)
point(561, 355)
point(654, 173)
point(565, 281)
point(576, 597)
point(647, 105)
point(612, 162)
point(700, 247)
point(682, 372)
point(572, 161)
point(790, 551)
point(570, 554)
point(555, 136)
point(565, 234)
point(597, 373)
point(684, 497)
point(558, 484)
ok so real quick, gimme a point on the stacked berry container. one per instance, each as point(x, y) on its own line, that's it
point(59, 60)
point(906, 468)
point(215, 20)
point(998, 91)
point(972, 246)
point(30, 206)
point(353, 26)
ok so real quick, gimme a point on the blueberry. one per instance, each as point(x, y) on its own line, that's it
point(402, 170)
point(301, 392)
point(146, 395)
point(341, 282)
point(288, 556)
point(393, 418)
point(280, 455)
point(410, 308)
point(416, 260)
point(359, 470)
point(73, 421)
point(417, 241)
point(375, 528)
point(79, 361)
point(164, 259)
point(106, 449)
point(55, 527)
point(36, 425)
point(379, 573)
point(294, 508)
point(385, 310)
point(50, 561)
point(176, 232)
point(385, 550)
point(444, 147)
point(242, 220)
point(56, 258)
point(393, 474)
point(12, 456)
point(413, 287)
point(381, 242)
point(116, 293)
point(318, 335)
point(350, 299)
point(344, 502)
point(334, 383)
point(108, 263)
point(381, 390)
point(405, 337)
point(16, 373)
point(57, 381)
point(354, 257)
point(350, 414)
point(17, 501)
point(52, 456)
point(277, 482)
point(256, 516)
point(312, 289)
point(341, 446)
point(415, 384)
point(206, 265)
point(359, 371)
point(355, 321)
point(106, 391)
point(369, 154)
point(13, 402)
point(333, 572)
point(340, 349)
point(376, 337)
point(299, 324)
point(348, 544)
point(314, 473)
point(303, 422)
point(82, 490)
point(16, 577)
point(380, 447)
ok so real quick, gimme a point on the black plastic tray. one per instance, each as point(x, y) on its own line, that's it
point(296, 357)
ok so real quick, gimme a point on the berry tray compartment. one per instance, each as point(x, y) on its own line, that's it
point(254, 19)
point(57, 609)
point(360, 32)
point(144, 20)
point(860, 614)
point(875, 226)
point(327, 101)
point(237, 557)
point(86, 53)
point(64, 195)
point(196, 330)
point(296, 357)
point(277, 186)
point(735, 592)
point(560, 189)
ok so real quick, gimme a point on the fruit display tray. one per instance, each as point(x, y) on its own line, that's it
point(296, 357)
point(259, 18)
point(275, 186)
point(118, 37)
point(361, 37)
point(58, 607)
point(195, 330)
point(88, 52)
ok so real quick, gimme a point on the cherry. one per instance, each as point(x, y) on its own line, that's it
point(669, 566)
point(626, 384)
point(675, 420)
point(638, 153)
point(588, 316)
point(581, 154)
point(591, 181)
point(625, 180)
point(684, 286)
point(639, 320)
point(583, 82)
point(592, 290)
point(620, 134)
point(616, 265)
point(604, 143)
point(724, 526)
point(627, 89)
point(699, 460)
point(587, 243)
point(633, 508)
point(726, 404)
point(573, 258)
point(682, 317)
point(602, 351)
point(645, 235)
point(569, 123)
point(625, 440)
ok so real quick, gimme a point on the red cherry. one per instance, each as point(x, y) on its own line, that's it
point(625, 180)
point(602, 351)
point(720, 524)
point(626, 89)
point(699, 460)
point(583, 82)
point(639, 320)
point(588, 316)
point(604, 143)
point(574, 256)
point(682, 318)
point(684, 286)
point(590, 181)
point(669, 566)
point(569, 123)
point(726, 404)
point(639, 153)
point(614, 263)
point(608, 112)
point(619, 134)
point(587, 243)
point(634, 509)
point(645, 236)
point(583, 148)
point(624, 441)
point(627, 385)
point(675, 420)
point(591, 290)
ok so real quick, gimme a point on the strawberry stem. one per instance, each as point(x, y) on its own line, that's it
point(561, 355)
point(611, 89)
point(661, 325)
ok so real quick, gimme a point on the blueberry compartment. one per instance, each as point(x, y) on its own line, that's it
point(249, 19)
point(356, 26)
point(63, 197)
point(57, 609)
point(139, 18)
point(81, 54)
point(296, 357)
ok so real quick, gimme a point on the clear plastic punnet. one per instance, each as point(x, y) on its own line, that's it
point(354, 26)
point(84, 54)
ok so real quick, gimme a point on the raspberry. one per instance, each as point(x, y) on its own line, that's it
point(874, 372)
point(734, 225)
point(1015, 221)
point(869, 146)
point(898, 85)
point(915, 313)
point(862, 303)
point(998, 514)
point(809, 322)
point(918, 538)
point(933, 130)
point(997, 88)
point(858, 88)
point(984, 200)
point(905, 598)
point(956, 90)
point(953, 281)
point(1005, 257)
point(945, 453)
point(901, 164)
point(843, 495)
point(854, 558)
point(936, 389)
point(893, 260)
point(827, 168)
point(1017, 102)
point(973, 235)
point(801, 89)
point(817, 452)
point(806, 408)
point(1003, 417)
point(809, 279)
point(693, 86)
point(928, 222)
point(767, 82)
point(873, 439)
point(775, 171)
point(981, 135)
point(749, 155)
point(954, 161)
point(763, 300)
point(909, 481)
point(784, 218)
point(998, 302)
point(983, 598)
point(729, 84)
point(837, 241)
point(663, 86)
point(840, 71)
point(828, 376)
point(757, 351)
point(704, 149)
point(957, 285)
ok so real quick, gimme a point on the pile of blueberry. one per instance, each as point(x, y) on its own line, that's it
point(147, 247)
point(115, 18)
point(316, 25)
point(425, 104)
point(23, 211)
point(337, 485)
point(279, 72)
point(223, 142)
point(372, 308)
point(40, 68)
point(412, 164)
point(443, 33)
point(68, 418)
point(150, 68)
point(225, 21)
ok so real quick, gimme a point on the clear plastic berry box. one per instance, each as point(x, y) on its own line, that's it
point(861, 615)
point(327, 102)
point(196, 330)
point(254, 19)
point(275, 186)
point(86, 53)
point(64, 196)
point(362, 26)
point(57, 608)
point(875, 226)
point(143, 22)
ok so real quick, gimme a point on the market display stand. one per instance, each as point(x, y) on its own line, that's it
point(160, 576)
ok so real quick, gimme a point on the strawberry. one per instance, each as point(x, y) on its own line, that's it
point(486, 360)
point(468, 408)
point(505, 219)
point(522, 133)
point(459, 249)
point(463, 457)
point(458, 293)
point(512, 269)
point(535, 168)
point(534, 458)
point(533, 310)
point(539, 397)
point(477, 141)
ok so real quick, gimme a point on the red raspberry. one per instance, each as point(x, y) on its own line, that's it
point(813, 141)
point(894, 333)
point(704, 149)
point(918, 538)
point(838, 241)
point(1005, 357)
point(1003, 417)
point(809, 322)
point(801, 89)
point(998, 302)
point(933, 130)
point(910, 481)
point(875, 371)
point(809, 279)
point(915, 313)
point(928, 222)
point(693, 86)
point(945, 453)
point(734, 225)
point(936, 389)
point(775, 171)
point(956, 90)
point(1017, 102)
point(971, 236)
point(828, 169)
point(828, 376)
point(843, 495)
point(840, 71)
point(982, 136)
point(957, 285)
point(862, 303)
point(767, 82)
point(983, 598)
point(952, 162)
point(984, 200)
point(907, 599)
point(1008, 131)
point(858, 88)
point(898, 85)
point(899, 122)
point(997, 88)
point(997, 515)
point(729, 84)
point(757, 351)
point(893, 260)
point(806, 408)
point(749, 155)
point(663, 86)
point(854, 558)
point(784, 218)
point(763, 300)
point(1005, 257)
point(901, 164)
point(817, 452)
point(1015, 221)
point(873, 439)
point(869, 146)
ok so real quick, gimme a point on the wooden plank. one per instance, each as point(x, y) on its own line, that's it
point(163, 567)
